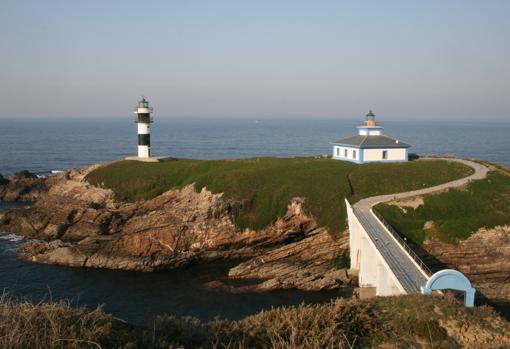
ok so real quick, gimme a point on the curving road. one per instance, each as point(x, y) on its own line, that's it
point(409, 274)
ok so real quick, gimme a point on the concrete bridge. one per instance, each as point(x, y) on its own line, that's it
point(384, 260)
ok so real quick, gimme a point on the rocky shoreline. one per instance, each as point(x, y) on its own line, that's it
point(75, 224)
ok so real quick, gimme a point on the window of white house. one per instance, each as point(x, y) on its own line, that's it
point(345, 153)
point(354, 154)
point(384, 154)
point(337, 151)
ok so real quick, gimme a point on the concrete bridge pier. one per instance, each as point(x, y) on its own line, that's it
point(374, 272)
point(367, 273)
point(383, 283)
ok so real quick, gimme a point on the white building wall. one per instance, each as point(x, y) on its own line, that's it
point(346, 153)
point(393, 154)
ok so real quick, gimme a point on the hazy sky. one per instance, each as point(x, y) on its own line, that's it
point(441, 59)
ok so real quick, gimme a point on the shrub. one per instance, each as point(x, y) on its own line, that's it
point(343, 261)
point(401, 321)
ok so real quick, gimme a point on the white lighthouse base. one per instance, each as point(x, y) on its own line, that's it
point(151, 159)
point(144, 151)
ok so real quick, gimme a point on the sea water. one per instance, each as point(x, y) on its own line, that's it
point(42, 145)
point(138, 297)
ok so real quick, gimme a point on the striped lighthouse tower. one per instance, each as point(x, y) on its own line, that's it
point(143, 119)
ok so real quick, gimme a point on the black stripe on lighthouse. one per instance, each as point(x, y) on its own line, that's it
point(144, 118)
point(144, 140)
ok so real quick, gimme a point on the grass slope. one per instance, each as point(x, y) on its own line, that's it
point(265, 186)
point(390, 322)
point(457, 213)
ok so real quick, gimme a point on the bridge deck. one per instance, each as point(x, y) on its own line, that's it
point(401, 264)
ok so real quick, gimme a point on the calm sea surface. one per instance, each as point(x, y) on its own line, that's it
point(51, 144)
point(138, 297)
point(56, 144)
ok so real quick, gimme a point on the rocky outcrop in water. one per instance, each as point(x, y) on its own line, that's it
point(484, 258)
point(75, 224)
point(22, 186)
point(3, 180)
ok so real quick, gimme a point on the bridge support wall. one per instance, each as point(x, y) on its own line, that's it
point(373, 269)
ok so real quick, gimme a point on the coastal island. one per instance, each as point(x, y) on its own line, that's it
point(283, 219)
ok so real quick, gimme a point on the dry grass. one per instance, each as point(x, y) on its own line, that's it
point(396, 322)
point(339, 324)
point(58, 325)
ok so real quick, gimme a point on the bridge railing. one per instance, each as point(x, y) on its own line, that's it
point(403, 243)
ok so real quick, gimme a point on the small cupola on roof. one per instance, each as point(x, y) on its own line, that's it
point(370, 126)
point(370, 119)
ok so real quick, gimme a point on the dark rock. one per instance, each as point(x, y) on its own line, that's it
point(3, 180)
point(23, 175)
point(22, 186)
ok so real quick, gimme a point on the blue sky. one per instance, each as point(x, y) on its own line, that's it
point(434, 60)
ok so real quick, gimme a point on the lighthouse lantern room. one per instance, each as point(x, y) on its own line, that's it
point(143, 119)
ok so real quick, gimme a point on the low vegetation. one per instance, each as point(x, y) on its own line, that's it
point(397, 322)
point(455, 214)
point(58, 325)
point(263, 187)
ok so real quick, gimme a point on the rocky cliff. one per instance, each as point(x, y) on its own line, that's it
point(75, 224)
point(484, 258)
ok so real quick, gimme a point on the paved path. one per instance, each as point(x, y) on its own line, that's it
point(401, 263)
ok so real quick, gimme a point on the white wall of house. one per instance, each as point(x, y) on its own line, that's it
point(392, 154)
point(346, 153)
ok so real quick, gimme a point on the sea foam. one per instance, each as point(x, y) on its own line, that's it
point(10, 237)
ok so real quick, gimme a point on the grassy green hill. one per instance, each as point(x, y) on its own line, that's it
point(457, 213)
point(265, 186)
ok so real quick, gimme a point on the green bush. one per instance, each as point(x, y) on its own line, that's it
point(343, 261)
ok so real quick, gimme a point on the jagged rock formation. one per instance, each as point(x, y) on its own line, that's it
point(75, 224)
point(22, 186)
point(301, 264)
point(484, 258)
